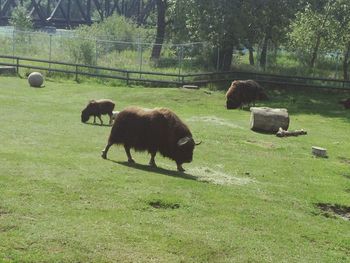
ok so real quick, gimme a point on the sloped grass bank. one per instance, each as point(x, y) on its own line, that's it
point(246, 197)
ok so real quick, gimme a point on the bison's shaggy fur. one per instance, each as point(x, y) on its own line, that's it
point(243, 92)
point(345, 103)
point(97, 108)
point(157, 130)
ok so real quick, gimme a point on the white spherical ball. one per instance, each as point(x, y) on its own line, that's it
point(35, 79)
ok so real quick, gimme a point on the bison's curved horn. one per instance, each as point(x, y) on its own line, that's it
point(183, 141)
point(198, 143)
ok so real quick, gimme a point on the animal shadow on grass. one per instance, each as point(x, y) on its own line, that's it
point(97, 124)
point(159, 170)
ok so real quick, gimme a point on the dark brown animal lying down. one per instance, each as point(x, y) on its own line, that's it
point(156, 130)
point(97, 108)
point(345, 103)
point(243, 92)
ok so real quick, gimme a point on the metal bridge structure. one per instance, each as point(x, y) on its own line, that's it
point(71, 13)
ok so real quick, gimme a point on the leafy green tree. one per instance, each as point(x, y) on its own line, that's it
point(312, 31)
point(341, 33)
point(272, 19)
point(217, 22)
point(20, 19)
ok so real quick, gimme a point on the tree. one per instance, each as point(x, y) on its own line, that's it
point(272, 18)
point(20, 19)
point(312, 31)
point(161, 24)
point(341, 34)
point(215, 22)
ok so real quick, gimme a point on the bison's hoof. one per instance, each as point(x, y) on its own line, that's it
point(104, 155)
point(180, 169)
point(152, 164)
point(131, 161)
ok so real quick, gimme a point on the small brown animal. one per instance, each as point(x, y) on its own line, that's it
point(243, 92)
point(97, 108)
point(345, 103)
point(156, 130)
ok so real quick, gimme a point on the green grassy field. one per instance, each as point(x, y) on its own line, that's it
point(246, 197)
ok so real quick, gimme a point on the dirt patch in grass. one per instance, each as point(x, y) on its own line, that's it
point(346, 176)
point(344, 160)
point(215, 121)
point(206, 174)
point(334, 210)
point(3, 212)
point(266, 145)
point(160, 204)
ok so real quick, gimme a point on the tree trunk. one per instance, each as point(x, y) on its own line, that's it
point(315, 52)
point(157, 47)
point(251, 56)
point(268, 120)
point(225, 57)
point(346, 63)
point(263, 56)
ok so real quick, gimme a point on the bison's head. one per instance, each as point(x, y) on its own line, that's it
point(86, 113)
point(233, 103)
point(185, 147)
point(84, 116)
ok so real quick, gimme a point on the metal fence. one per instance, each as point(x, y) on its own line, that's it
point(168, 78)
point(189, 58)
point(68, 48)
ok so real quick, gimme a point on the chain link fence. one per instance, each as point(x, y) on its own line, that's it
point(64, 46)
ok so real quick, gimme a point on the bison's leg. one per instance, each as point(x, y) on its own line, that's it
point(127, 150)
point(94, 119)
point(99, 116)
point(179, 167)
point(105, 150)
point(152, 162)
point(110, 118)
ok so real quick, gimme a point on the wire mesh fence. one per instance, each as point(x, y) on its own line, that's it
point(65, 46)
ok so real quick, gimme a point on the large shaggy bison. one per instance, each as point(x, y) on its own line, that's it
point(157, 130)
point(97, 108)
point(243, 92)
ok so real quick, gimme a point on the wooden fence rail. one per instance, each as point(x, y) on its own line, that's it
point(169, 78)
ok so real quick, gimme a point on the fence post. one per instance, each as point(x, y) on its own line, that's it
point(50, 52)
point(127, 78)
point(76, 73)
point(96, 50)
point(13, 43)
point(336, 66)
point(180, 52)
point(140, 57)
point(17, 65)
point(217, 59)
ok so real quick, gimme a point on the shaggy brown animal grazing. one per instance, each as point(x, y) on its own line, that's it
point(97, 108)
point(345, 103)
point(243, 92)
point(157, 130)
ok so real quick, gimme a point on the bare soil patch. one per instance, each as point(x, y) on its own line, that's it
point(267, 145)
point(3, 212)
point(160, 204)
point(344, 160)
point(346, 176)
point(334, 210)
